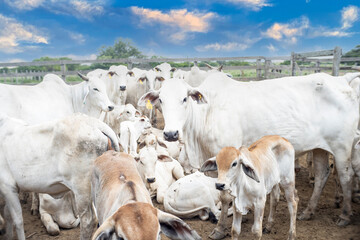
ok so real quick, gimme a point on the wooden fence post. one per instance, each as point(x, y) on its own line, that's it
point(336, 61)
point(267, 68)
point(130, 65)
point(292, 62)
point(63, 71)
point(258, 69)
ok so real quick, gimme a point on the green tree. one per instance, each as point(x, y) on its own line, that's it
point(122, 48)
point(353, 53)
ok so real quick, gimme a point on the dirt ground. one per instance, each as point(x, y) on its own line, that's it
point(322, 226)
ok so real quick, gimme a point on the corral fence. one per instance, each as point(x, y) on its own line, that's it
point(330, 61)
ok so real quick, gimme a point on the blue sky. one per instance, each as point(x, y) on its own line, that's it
point(31, 29)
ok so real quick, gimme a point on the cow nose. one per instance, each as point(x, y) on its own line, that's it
point(171, 136)
point(220, 186)
point(111, 108)
point(122, 88)
point(150, 180)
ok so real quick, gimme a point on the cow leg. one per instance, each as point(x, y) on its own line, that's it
point(292, 202)
point(51, 227)
point(13, 214)
point(34, 203)
point(259, 207)
point(23, 196)
point(322, 172)
point(86, 212)
point(345, 173)
point(297, 165)
point(274, 200)
point(2, 226)
point(219, 231)
point(310, 167)
point(338, 193)
point(236, 224)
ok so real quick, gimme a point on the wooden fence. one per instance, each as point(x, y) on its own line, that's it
point(264, 67)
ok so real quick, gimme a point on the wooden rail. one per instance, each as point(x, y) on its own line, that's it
point(263, 67)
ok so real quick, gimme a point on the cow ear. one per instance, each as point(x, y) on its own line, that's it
point(83, 77)
point(209, 165)
point(111, 73)
point(130, 73)
point(197, 96)
point(173, 69)
point(152, 96)
point(175, 228)
point(164, 158)
point(105, 231)
point(250, 172)
point(220, 68)
point(161, 143)
point(137, 114)
point(157, 69)
point(160, 79)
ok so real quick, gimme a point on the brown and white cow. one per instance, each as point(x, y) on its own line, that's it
point(123, 204)
point(249, 174)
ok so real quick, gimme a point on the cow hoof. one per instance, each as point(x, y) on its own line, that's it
point(2, 232)
point(23, 201)
point(304, 217)
point(216, 235)
point(342, 222)
point(34, 212)
point(266, 231)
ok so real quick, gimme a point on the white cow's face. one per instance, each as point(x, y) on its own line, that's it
point(173, 97)
point(146, 163)
point(97, 95)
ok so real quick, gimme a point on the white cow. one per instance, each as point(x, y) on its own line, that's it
point(249, 174)
point(53, 99)
point(130, 131)
point(193, 195)
point(223, 112)
point(124, 206)
point(115, 83)
point(120, 114)
point(154, 137)
point(55, 157)
point(55, 212)
point(158, 171)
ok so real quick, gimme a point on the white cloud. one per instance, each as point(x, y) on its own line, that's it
point(13, 33)
point(271, 48)
point(254, 4)
point(230, 46)
point(24, 4)
point(179, 22)
point(77, 37)
point(349, 15)
point(83, 9)
point(288, 31)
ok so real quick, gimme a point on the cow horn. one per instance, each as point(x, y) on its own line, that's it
point(83, 77)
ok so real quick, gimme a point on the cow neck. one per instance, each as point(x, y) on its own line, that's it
point(196, 132)
point(79, 92)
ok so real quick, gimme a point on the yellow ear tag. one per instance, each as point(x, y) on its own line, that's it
point(110, 75)
point(141, 82)
point(200, 96)
point(149, 105)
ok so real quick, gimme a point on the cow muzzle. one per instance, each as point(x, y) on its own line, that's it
point(150, 180)
point(122, 88)
point(171, 136)
point(220, 186)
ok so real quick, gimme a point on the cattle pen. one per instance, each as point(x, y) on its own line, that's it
point(246, 68)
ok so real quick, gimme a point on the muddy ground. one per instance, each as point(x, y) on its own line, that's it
point(322, 226)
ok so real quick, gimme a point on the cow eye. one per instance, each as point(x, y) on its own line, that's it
point(234, 164)
point(127, 112)
point(95, 89)
point(141, 162)
point(184, 100)
point(160, 100)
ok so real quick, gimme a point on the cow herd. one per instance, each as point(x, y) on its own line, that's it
point(90, 153)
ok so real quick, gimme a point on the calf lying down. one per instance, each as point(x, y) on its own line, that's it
point(249, 174)
point(124, 206)
point(194, 195)
point(158, 171)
